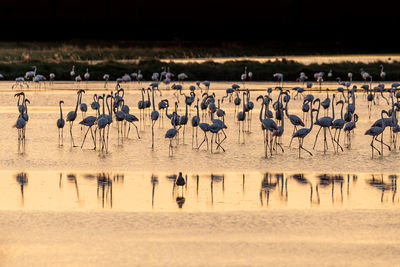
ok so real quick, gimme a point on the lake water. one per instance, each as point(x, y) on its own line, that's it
point(70, 206)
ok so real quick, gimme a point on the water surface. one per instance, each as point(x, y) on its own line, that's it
point(69, 206)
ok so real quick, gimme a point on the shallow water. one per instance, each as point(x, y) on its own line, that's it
point(143, 192)
point(70, 206)
point(43, 153)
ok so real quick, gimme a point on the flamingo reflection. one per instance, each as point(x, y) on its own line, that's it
point(266, 186)
point(154, 182)
point(22, 180)
point(301, 179)
point(106, 184)
point(216, 179)
point(383, 186)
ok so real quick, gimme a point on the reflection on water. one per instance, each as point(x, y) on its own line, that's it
point(22, 180)
point(380, 183)
point(196, 192)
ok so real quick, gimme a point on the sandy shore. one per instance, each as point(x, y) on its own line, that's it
point(290, 237)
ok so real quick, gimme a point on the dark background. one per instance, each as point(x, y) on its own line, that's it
point(350, 25)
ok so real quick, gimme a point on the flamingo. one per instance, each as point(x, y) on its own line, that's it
point(142, 105)
point(19, 81)
point(154, 118)
point(338, 124)
point(30, 74)
point(241, 116)
point(237, 101)
point(302, 77)
point(182, 76)
point(229, 92)
point(370, 98)
point(330, 74)
point(246, 75)
point(216, 126)
point(382, 74)
point(348, 127)
point(183, 121)
point(60, 125)
point(52, 77)
point(102, 122)
point(82, 107)
point(72, 72)
point(195, 122)
point(303, 132)
point(90, 122)
point(206, 84)
point(279, 132)
point(71, 116)
point(267, 124)
point(325, 123)
point(106, 77)
point(327, 102)
point(139, 76)
point(249, 109)
point(294, 119)
point(170, 134)
point(147, 103)
point(279, 77)
point(350, 75)
point(375, 131)
point(78, 79)
point(20, 125)
point(205, 127)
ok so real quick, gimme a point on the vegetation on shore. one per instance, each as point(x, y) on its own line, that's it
point(228, 71)
point(90, 50)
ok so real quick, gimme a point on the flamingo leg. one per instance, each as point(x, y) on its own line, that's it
point(338, 141)
point(316, 137)
point(373, 147)
point(332, 139)
point(192, 136)
point(212, 137)
point(70, 131)
point(294, 130)
point(383, 143)
point(304, 148)
point(137, 131)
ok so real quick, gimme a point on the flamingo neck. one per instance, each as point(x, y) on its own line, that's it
point(152, 96)
point(261, 111)
point(77, 102)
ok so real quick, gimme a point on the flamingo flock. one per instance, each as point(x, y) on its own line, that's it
point(111, 110)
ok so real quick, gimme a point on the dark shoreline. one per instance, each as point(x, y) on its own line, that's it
point(228, 71)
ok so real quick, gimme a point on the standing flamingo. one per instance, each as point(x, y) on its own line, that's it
point(60, 126)
point(72, 72)
point(375, 131)
point(154, 118)
point(325, 123)
point(348, 127)
point(170, 134)
point(294, 120)
point(195, 122)
point(106, 77)
point(338, 124)
point(303, 132)
point(71, 116)
point(382, 74)
point(241, 116)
